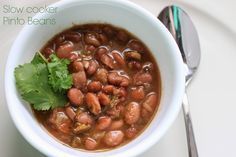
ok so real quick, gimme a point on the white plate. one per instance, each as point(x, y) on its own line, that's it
point(212, 94)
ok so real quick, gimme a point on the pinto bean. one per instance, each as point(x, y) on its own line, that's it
point(90, 143)
point(94, 86)
point(73, 56)
point(59, 40)
point(120, 92)
point(84, 118)
point(92, 68)
point(103, 38)
point(125, 81)
point(137, 93)
point(90, 48)
point(77, 66)
point(132, 113)
point(118, 58)
point(109, 31)
point(75, 96)
point(91, 38)
point(118, 80)
point(103, 99)
point(113, 138)
point(70, 112)
point(108, 89)
point(87, 57)
point(60, 120)
point(79, 79)
point(100, 51)
point(114, 78)
point(117, 124)
point(122, 36)
point(116, 111)
point(73, 36)
point(64, 50)
point(132, 55)
point(131, 132)
point(85, 64)
point(134, 65)
point(150, 102)
point(148, 67)
point(145, 114)
point(136, 45)
point(107, 60)
point(101, 75)
point(93, 103)
point(48, 51)
point(98, 135)
point(103, 123)
point(142, 78)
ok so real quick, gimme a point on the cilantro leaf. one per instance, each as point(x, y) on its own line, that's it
point(59, 77)
point(37, 59)
point(32, 83)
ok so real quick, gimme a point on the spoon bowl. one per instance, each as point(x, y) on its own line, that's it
point(185, 34)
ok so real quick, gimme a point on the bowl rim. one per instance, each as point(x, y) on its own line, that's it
point(139, 147)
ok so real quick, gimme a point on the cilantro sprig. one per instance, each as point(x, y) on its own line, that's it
point(59, 77)
point(42, 83)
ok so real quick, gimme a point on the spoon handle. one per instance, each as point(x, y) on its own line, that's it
point(192, 147)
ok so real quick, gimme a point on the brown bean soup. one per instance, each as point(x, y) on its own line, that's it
point(116, 87)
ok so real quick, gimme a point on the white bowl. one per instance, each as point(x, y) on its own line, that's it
point(120, 13)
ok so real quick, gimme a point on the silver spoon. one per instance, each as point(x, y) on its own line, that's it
point(182, 29)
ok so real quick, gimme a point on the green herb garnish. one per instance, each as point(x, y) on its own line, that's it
point(36, 82)
point(59, 77)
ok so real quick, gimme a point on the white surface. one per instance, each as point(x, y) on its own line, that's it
point(211, 94)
